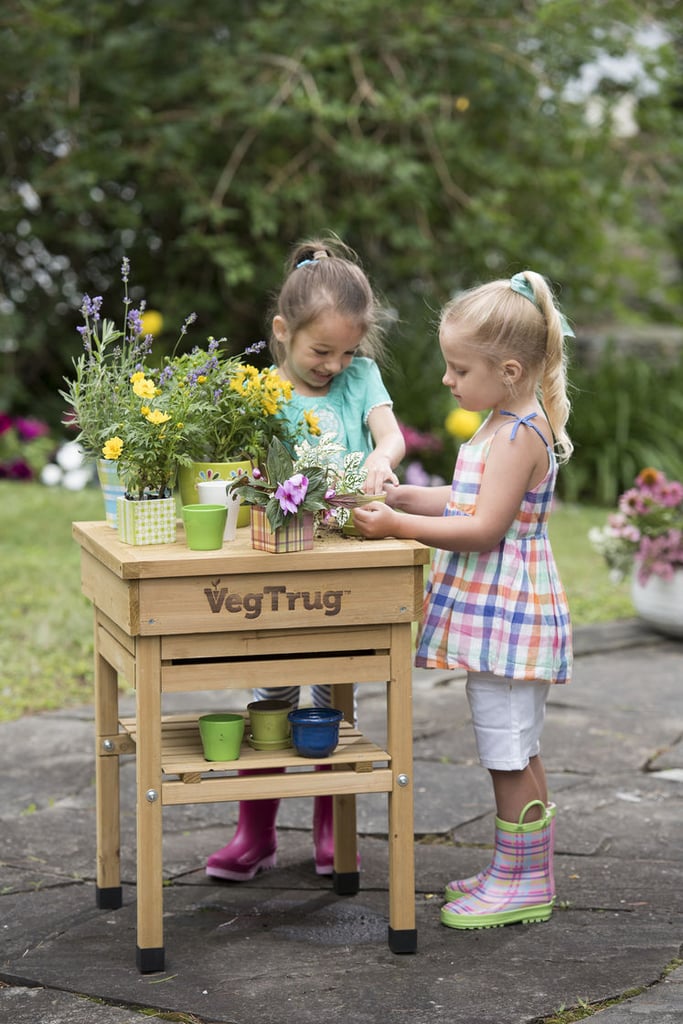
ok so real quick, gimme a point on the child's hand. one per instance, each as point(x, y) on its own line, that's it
point(379, 472)
point(375, 520)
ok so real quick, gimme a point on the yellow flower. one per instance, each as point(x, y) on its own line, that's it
point(157, 417)
point(144, 409)
point(152, 322)
point(462, 423)
point(143, 388)
point(201, 379)
point(138, 375)
point(312, 421)
point(112, 448)
point(462, 104)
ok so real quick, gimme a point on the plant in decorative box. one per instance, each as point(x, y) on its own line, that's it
point(98, 393)
point(150, 440)
point(242, 421)
point(644, 537)
point(286, 497)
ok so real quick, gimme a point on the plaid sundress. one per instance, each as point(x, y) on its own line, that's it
point(502, 611)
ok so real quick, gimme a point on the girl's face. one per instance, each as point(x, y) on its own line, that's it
point(474, 382)
point(319, 351)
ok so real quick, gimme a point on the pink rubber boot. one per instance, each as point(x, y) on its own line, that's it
point(253, 848)
point(323, 834)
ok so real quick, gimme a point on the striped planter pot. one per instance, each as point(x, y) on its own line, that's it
point(295, 535)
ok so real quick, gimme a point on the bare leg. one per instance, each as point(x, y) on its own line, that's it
point(514, 790)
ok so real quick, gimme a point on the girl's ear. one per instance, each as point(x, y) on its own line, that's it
point(280, 329)
point(512, 371)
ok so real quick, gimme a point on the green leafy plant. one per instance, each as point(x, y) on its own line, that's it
point(96, 394)
point(244, 402)
point(155, 434)
point(622, 411)
point(319, 479)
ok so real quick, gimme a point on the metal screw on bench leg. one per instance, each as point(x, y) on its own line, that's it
point(151, 795)
point(108, 746)
point(402, 780)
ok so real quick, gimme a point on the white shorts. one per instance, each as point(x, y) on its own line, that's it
point(508, 716)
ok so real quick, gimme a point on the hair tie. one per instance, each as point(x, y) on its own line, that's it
point(519, 284)
point(304, 263)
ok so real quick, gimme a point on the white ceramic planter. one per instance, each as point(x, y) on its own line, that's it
point(659, 602)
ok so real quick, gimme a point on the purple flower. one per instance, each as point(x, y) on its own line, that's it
point(29, 428)
point(292, 492)
point(416, 474)
point(256, 473)
point(91, 307)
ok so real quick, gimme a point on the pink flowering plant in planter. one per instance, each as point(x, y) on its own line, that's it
point(646, 531)
point(317, 479)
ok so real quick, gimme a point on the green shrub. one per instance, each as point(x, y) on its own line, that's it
point(623, 418)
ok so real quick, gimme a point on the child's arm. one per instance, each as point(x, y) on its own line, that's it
point(388, 451)
point(511, 469)
point(424, 501)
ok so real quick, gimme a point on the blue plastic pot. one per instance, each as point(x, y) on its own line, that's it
point(315, 731)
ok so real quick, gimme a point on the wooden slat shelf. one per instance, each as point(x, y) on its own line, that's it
point(181, 750)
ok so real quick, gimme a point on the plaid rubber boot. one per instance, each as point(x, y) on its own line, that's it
point(520, 885)
point(462, 886)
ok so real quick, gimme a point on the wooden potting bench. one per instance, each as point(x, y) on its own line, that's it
point(169, 619)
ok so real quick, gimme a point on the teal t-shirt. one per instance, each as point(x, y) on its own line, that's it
point(344, 410)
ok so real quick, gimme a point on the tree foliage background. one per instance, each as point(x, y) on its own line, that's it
point(446, 142)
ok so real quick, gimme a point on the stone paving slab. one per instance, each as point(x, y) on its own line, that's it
point(284, 948)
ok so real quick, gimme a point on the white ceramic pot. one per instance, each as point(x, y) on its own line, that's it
point(190, 476)
point(215, 492)
point(659, 602)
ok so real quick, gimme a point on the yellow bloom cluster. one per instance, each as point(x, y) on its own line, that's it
point(312, 421)
point(143, 386)
point(156, 417)
point(112, 448)
point(266, 387)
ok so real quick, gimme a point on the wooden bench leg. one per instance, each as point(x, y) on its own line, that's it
point(107, 794)
point(346, 877)
point(402, 930)
point(150, 948)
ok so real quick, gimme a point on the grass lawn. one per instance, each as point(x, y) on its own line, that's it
point(46, 636)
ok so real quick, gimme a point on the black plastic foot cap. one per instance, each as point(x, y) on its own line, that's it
point(110, 898)
point(150, 960)
point(346, 883)
point(403, 941)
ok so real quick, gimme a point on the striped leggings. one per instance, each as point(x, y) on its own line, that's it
point(321, 696)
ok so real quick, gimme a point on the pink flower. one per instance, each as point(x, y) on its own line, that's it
point(29, 428)
point(292, 492)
